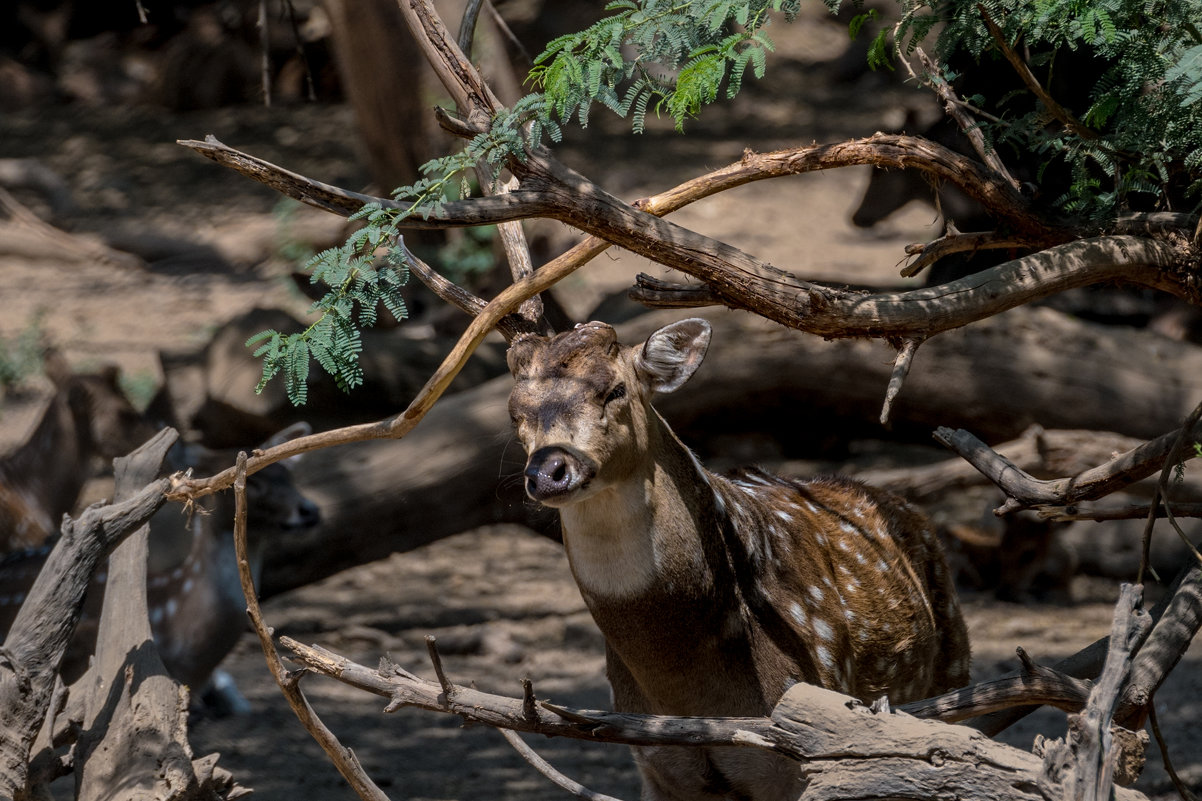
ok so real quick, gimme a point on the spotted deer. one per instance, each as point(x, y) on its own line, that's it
point(194, 596)
point(88, 416)
point(716, 594)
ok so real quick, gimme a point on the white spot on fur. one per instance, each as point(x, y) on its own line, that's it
point(824, 656)
point(823, 629)
point(172, 607)
point(817, 594)
point(156, 615)
point(783, 515)
point(798, 614)
point(188, 583)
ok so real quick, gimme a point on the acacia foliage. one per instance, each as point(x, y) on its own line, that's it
point(1119, 126)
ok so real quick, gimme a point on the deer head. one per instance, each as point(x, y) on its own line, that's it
point(581, 404)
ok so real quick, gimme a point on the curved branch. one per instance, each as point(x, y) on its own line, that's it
point(1026, 491)
point(742, 281)
point(955, 108)
point(342, 757)
point(873, 750)
point(945, 246)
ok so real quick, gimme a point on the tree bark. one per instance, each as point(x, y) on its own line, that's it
point(35, 644)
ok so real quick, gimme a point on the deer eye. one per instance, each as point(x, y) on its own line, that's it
point(616, 393)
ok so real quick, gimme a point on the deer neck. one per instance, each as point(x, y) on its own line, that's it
point(643, 534)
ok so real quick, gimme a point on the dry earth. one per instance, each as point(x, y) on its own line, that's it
point(500, 601)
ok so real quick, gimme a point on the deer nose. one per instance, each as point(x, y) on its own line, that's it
point(553, 471)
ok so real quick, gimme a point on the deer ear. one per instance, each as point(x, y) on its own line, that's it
point(519, 353)
point(672, 354)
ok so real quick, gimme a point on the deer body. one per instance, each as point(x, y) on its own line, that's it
point(41, 479)
point(716, 594)
point(193, 591)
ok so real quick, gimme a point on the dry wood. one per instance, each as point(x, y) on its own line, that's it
point(1025, 491)
point(134, 741)
point(1082, 766)
point(343, 758)
point(847, 750)
point(39, 635)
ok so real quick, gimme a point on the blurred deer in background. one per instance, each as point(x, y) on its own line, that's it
point(40, 481)
point(715, 594)
point(194, 596)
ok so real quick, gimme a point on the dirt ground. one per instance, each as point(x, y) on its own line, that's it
point(500, 600)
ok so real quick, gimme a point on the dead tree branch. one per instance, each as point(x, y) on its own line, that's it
point(1026, 491)
point(1082, 767)
point(343, 758)
point(956, 109)
point(37, 640)
point(951, 243)
point(1176, 620)
point(134, 740)
point(739, 280)
point(877, 754)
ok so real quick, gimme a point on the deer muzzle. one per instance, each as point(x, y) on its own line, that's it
point(553, 473)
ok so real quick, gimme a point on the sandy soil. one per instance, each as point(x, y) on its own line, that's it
point(500, 601)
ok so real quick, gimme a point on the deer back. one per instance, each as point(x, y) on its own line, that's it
point(194, 596)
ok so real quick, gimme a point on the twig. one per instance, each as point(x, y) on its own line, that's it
point(504, 28)
point(529, 704)
point(1028, 78)
point(955, 109)
point(448, 689)
point(945, 246)
point(343, 758)
point(1181, 787)
point(467, 26)
point(1175, 457)
point(544, 767)
point(1088, 511)
point(901, 368)
point(310, 90)
point(264, 54)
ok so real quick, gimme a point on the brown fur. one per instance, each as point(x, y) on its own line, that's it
point(716, 594)
point(89, 416)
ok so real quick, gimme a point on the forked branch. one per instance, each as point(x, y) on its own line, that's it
point(1024, 491)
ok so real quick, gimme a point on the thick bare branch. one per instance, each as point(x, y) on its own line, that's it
point(742, 281)
point(1026, 491)
point(1177, 622)
point(1084, 763)
point(877, 752)
point(37, 640)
